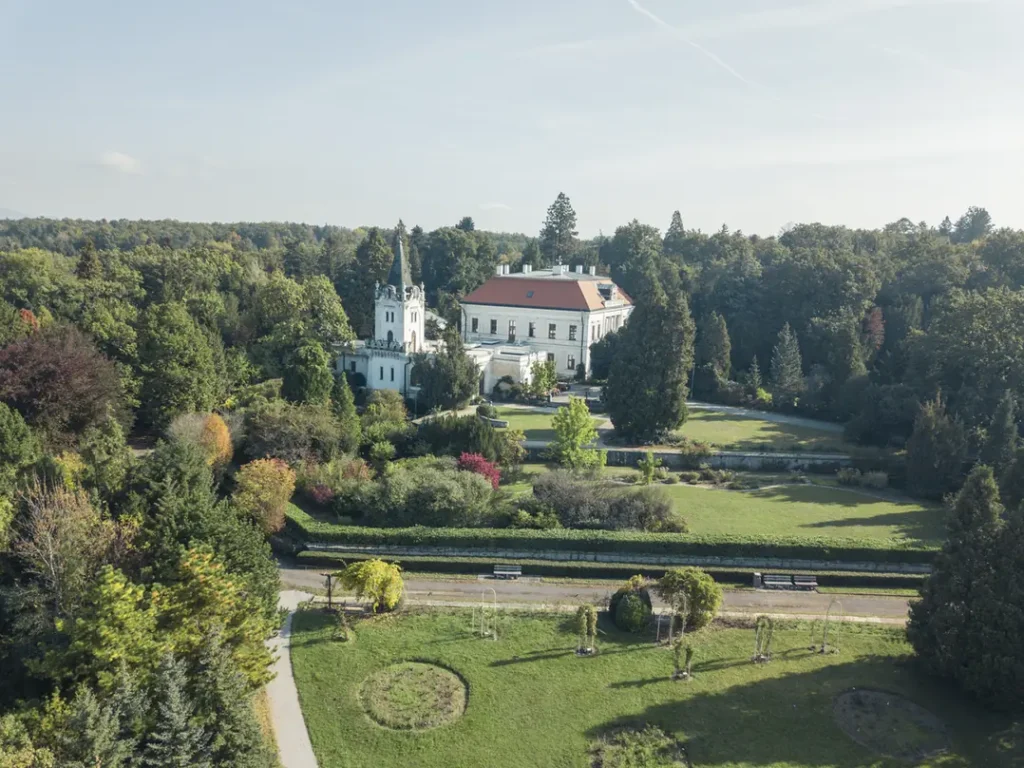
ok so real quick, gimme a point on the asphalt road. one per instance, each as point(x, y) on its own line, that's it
point(533, 592)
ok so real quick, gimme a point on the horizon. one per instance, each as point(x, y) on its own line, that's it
point(755, 116)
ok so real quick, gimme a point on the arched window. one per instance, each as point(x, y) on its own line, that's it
point(391, 337)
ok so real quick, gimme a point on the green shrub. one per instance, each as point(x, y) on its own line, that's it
point(848, 476)
point(689, 476)
point(635, 585)
point(693, 453)
point(875, 480)
point(703, 596)
point(487, 410)
point(632, 614)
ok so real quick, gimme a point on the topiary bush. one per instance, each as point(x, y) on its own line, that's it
point(631, 613)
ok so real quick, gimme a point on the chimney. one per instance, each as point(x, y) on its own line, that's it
point(527, 269)
point(579, 269)
point(505, 269)
point(499, 270)
point(591, 271)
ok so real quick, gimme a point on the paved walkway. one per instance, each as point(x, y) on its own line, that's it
point(293, 743)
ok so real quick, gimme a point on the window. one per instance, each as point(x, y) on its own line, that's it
point(382, 373)
point(352, 366)
point(572, 333)
point(551, 330)
point(593, 333)
point(511, 330)
point(494, 326)
point(571, 363)
point(392, 373)
point(551, 357)
point(475, 323)
point(532, 330)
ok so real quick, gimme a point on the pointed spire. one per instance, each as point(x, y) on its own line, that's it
point(400, 276)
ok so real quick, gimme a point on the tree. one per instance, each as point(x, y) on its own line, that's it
point(89, 266)
point(343, 403)
point(647, 385)
point(264, 488)
point(574, 430)
point(543, 378)
point(935, 451)
point(292, 432)
point(307, 375)
point(634, 615)
point(90, 734)
point(19, 448)
point(531, 254)
point(713, 356)
point(754, 380)
point(177, 739)
point(1000, 445)
point(176, 364)
point(675, 237)
point(376, 580)
point(648, 466)
point(60, 383)
point(357, 284)
point(208, 432)
point(964, 628)
point(558, 234)
point(787, 369)
point(449, 377)
point(602, 353)
point(16, 747)
point(975, 224)
point(107, 458)
point(696, 590)
point(466, 224)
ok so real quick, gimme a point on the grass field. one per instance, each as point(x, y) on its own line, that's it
point(739, 433)
point(532, 702)
point(536, 425)
point(791, 510)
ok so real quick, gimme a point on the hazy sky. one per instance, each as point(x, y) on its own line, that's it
point(754, 113)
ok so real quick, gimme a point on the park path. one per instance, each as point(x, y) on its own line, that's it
point(530, 592)
point(293, 745)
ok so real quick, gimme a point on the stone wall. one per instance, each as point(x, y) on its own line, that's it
point(818, 463)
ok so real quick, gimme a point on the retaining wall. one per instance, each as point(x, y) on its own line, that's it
point(818, 463)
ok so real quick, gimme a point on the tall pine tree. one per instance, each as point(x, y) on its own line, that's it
point(675, 237)
point(176, 739)
point(1001, 441)
point(647, 384)
point(935, 451)
point(344, 406)
point(713, 356)
point(787, 369)
point(92, 735)
point(558, 235)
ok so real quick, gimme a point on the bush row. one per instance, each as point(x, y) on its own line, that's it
point(574, 569)
point(682, 544)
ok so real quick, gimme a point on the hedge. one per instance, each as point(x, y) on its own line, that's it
point(310, 529)
point(576, 569)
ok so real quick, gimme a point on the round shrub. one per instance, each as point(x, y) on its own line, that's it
point(487, 410)
point(632, 613)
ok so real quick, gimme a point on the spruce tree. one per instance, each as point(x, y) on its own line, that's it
point(176, 739)
point(935, 451)
point(754, 380)
point(89, 266)
point(558, 235)
point(448, 378)
point(647, 383)
point(787, 368)
point(675, 237)
point(1001, 441)
point(967, 625)
point(713, 356)
point(224, 707)
point(1011, 484)
point(92, 735)
point(344, 407)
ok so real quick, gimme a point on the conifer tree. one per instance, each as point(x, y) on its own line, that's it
point(935, 451)
point(92, 735)
point(647, 384)
point(787, 368)
point(754, 379)
point(713, 356)
point(89, 266)
point(307, 376)
point(176, 740)
point(675, 235)
point(344, 406)
point(558, 235)
point(1001, 441)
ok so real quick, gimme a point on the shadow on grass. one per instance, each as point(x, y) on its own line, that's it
point(924, 525)
point(789, 720)
point(775, 436)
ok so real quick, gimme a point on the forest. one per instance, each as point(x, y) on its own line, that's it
point(137, 587)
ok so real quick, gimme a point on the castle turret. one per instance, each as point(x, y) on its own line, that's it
point(400, 307)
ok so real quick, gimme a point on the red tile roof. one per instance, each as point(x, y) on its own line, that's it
point(541, 293)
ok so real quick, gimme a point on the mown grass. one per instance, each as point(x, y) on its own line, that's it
point(532, 702)
point(730, 432)
point(536, 425)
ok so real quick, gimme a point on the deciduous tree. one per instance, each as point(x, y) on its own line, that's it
point(449, 377)
point(264, 488)
point(376, 580)
point(574, 430)
point(307, 375)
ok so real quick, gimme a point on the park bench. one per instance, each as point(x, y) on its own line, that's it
point(508, 571)
point(805, 582)
point(777, 581)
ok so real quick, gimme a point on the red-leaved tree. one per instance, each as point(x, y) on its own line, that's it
point(474, 462)
point(59, 382)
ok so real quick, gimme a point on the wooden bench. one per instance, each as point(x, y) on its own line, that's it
point(508, 571)
point(805, 582)
point(777, 581)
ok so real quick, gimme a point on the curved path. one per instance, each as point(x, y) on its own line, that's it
point(293, 743)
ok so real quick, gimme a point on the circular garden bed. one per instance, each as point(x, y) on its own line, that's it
point(647, 747)
point(413, 696)
point(890, 725)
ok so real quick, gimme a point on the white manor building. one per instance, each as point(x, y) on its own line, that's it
point(510, 322)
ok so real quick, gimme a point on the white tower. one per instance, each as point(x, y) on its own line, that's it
point(399, 306)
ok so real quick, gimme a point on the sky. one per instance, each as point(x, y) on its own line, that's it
point(750, 113)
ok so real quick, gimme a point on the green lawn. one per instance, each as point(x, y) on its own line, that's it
point(738, 433)
point(536, 425)
point(806, 510)
point(533, 703)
